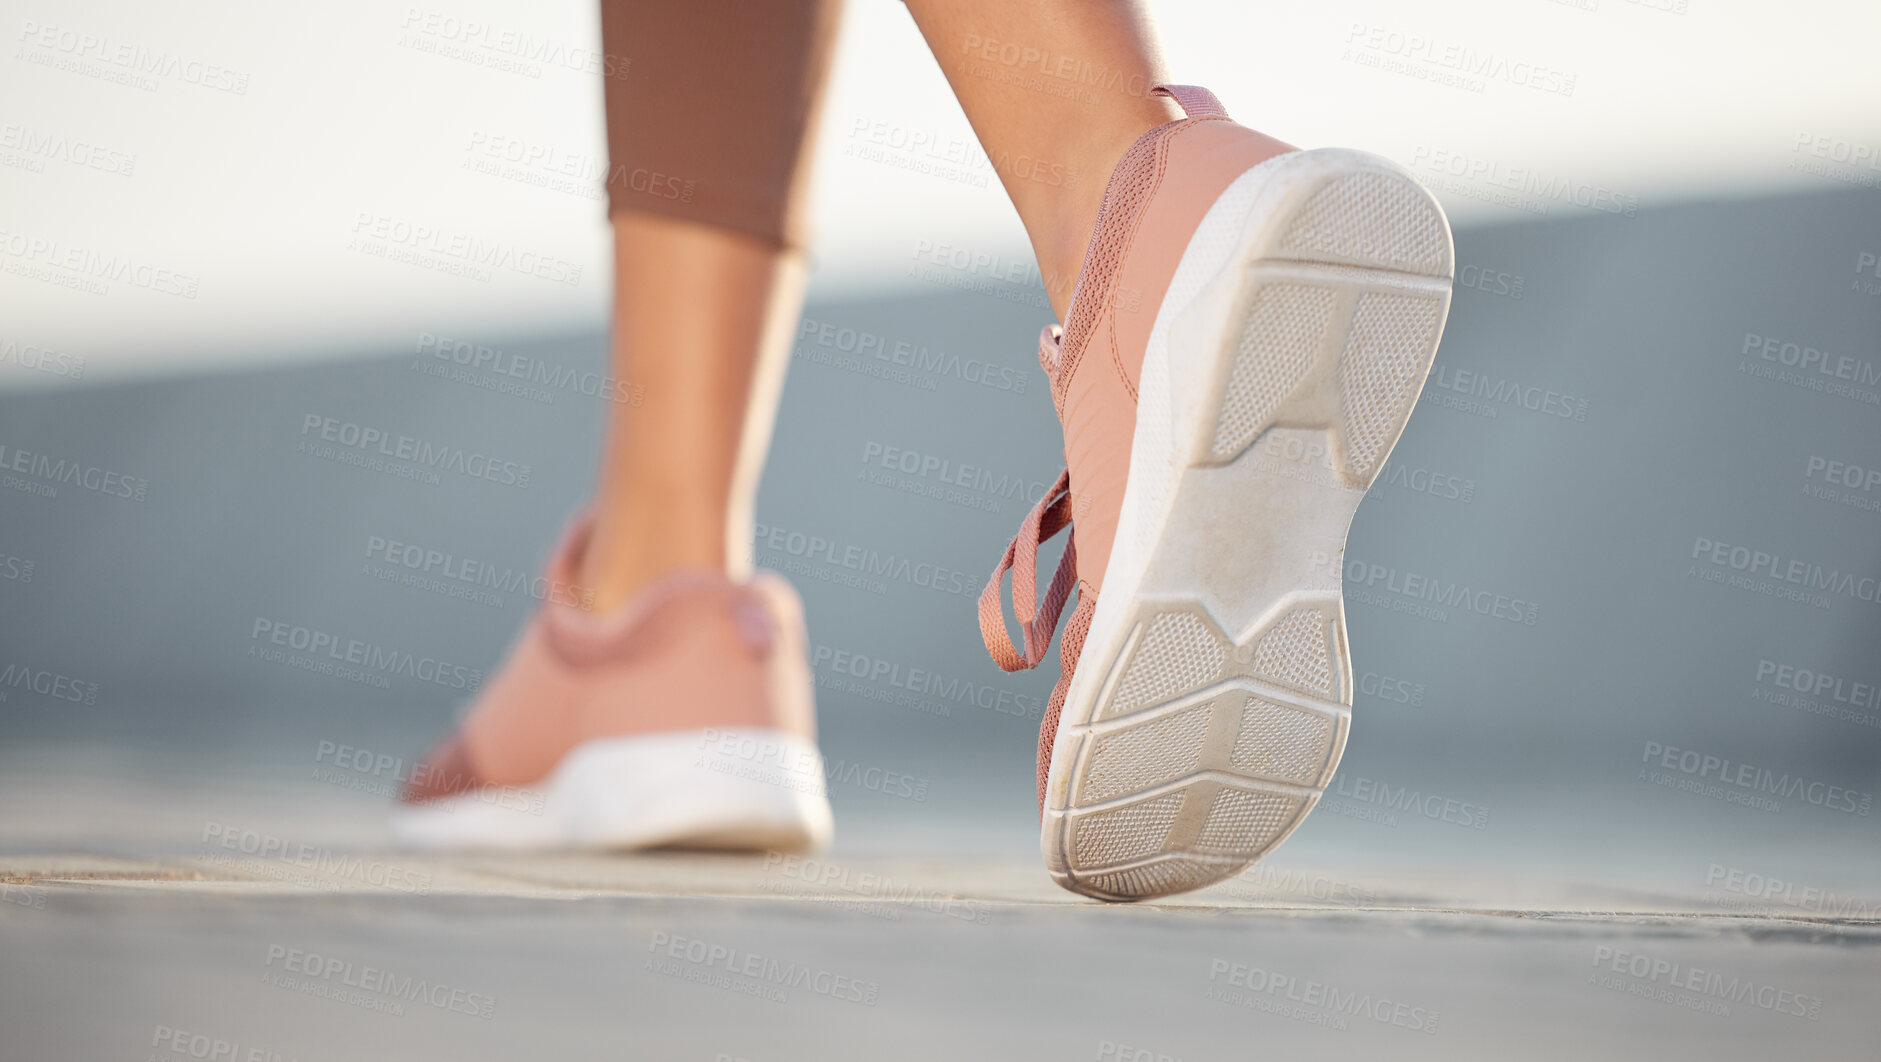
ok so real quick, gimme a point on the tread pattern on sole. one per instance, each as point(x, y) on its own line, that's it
point(1259, 728)
point(1206, 747)
point(1177, 653)
point(1130, 832)
point(1379, 370)
point(1245, 821)
point(1159, 878)
point(1376, 219)
point(1283, 333)
point(1297, 653)
point(1146, 756)
point(1278, 741)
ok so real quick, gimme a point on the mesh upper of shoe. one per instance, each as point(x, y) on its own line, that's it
point(1134, 248)
point(692, 651)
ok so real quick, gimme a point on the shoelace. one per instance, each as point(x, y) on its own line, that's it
point(1051, 515)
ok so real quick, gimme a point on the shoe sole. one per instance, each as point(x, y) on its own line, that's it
point(1213, 696)
point(748, 788)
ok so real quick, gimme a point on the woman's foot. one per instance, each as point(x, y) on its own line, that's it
point(685, 717)
point(1249, 333)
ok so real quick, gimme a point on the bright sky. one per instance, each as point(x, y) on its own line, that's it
point(260, 183)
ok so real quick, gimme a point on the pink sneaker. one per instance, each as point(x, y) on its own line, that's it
point(684, 718)
point(1249, 333)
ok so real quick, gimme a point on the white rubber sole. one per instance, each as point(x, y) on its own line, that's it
point(1213, 696)
point(736, 787)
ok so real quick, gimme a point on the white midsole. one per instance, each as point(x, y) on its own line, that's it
point(1175, 409)
point(739, 787)
point(1149, 491)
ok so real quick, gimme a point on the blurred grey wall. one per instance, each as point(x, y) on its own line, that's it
point(1617, 590)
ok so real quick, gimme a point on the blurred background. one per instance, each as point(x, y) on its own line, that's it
point(1652, 424)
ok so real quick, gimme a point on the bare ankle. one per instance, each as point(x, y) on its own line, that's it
point(1073, 218)
point(626, 555)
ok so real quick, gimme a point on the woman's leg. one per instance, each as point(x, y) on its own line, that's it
point(1057, 91)
point(1250, 301)
point(709, 137)
point(642, 710)
point(703, 323)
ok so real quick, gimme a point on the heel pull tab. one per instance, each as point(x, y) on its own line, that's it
point(754, 625)
point(1195, 101)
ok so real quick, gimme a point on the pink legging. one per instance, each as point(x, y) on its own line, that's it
point(713, 120)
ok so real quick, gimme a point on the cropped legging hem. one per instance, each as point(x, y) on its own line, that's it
point(711, 110)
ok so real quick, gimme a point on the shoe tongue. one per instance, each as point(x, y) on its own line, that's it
point(1051, 340)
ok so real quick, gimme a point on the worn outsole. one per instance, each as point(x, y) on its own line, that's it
point(1213, 697)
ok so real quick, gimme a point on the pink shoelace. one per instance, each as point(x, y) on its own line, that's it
point(1051, 515)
